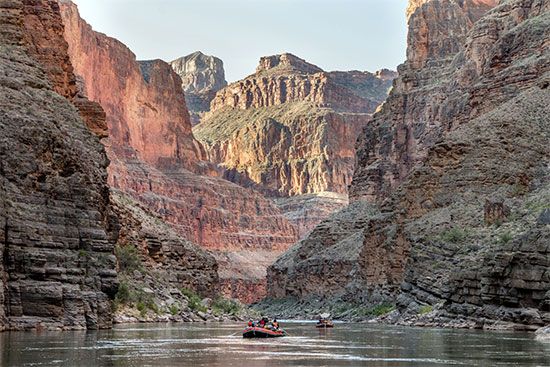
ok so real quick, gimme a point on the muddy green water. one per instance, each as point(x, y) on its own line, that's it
point(222, 345)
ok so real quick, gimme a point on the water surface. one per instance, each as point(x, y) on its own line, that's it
point(198, 345)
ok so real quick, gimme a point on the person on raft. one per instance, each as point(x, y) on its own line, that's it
point(264, 323)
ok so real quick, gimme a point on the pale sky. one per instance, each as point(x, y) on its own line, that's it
point(333, 34)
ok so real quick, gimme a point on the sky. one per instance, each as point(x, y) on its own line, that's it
point(332, 34)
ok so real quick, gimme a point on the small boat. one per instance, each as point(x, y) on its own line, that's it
point(324, 325)
point(259, 332)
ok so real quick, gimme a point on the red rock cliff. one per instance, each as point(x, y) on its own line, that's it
point(155, 158)
point(289, 130)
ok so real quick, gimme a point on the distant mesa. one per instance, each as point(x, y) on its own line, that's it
point(286, 62)
point(289, 130)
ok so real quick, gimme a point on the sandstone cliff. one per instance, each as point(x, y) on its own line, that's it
point(156, 160)
point(455, 167)
point(289, 130)
point(58, 267)
point(202, 76)
point(286, 78)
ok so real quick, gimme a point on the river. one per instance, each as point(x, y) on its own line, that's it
point(198, 345)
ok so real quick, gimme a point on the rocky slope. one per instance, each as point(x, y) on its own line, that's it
point(202, 76)
point(289, 129)
point(54, 196)
point(156, 160)
point(162, 276)
point(454, 169)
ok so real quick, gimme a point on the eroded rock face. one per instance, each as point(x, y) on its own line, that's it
point(289, 129)
point(308, 210)
point(58, 269)
point(156, 160)
point(428, 97)
point(202, 76)
point(143, 111)
point(176, 262)
point(286, 78)
point(465, 124)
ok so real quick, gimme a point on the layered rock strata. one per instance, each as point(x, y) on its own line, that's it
point(289, 130)
point(428, 98)
point(179, 263)
point(156, 160)
point(308, 210)
point(57, 269)
point(456, 165)
point(202, 76)
point(286, 78)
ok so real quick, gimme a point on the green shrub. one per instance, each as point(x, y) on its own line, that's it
point(341, 308)
point(194, 300)
point(189, 293)
point(141, 307)
point(123, 295)
point(153, 307)
point(225, 306)
point(174, 309)
point(378, 310)
point(505, 237)
point(128, 258)
point(454, 235)
point(425, 309)
point(381, 309)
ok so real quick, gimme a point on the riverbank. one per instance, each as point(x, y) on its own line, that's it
point(387, 313)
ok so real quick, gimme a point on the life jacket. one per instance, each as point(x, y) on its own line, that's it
point(250, 323)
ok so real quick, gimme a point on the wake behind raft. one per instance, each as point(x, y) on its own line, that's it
point(260, 332)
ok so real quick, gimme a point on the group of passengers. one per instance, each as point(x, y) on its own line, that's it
point(264, 323)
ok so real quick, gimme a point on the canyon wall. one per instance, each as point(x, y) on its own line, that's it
point(156, 160)
point(202, 76)
point(57, 269)
point(289, 130)
point(448, 216)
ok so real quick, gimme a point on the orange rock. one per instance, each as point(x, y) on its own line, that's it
point(155, 158)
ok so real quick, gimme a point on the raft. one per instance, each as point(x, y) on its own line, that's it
point(258, 332)
point(324, 325)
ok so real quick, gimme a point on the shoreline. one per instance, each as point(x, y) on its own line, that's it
point(541, 334)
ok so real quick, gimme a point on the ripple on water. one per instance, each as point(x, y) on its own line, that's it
point(222, 345)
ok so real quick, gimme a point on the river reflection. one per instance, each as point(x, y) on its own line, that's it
point(197, 345)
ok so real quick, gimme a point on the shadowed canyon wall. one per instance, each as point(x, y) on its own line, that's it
point(156, 160)
point(54, 195)
point(449, 197)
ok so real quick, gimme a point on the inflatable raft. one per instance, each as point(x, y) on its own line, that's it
point(323, 325)
point(258, 332)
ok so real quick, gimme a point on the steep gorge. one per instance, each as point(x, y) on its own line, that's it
point(448, 213)
point(156, 160)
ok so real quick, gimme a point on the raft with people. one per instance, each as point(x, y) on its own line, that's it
point(324, 321)
point(263, 329)
point(324, 324)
